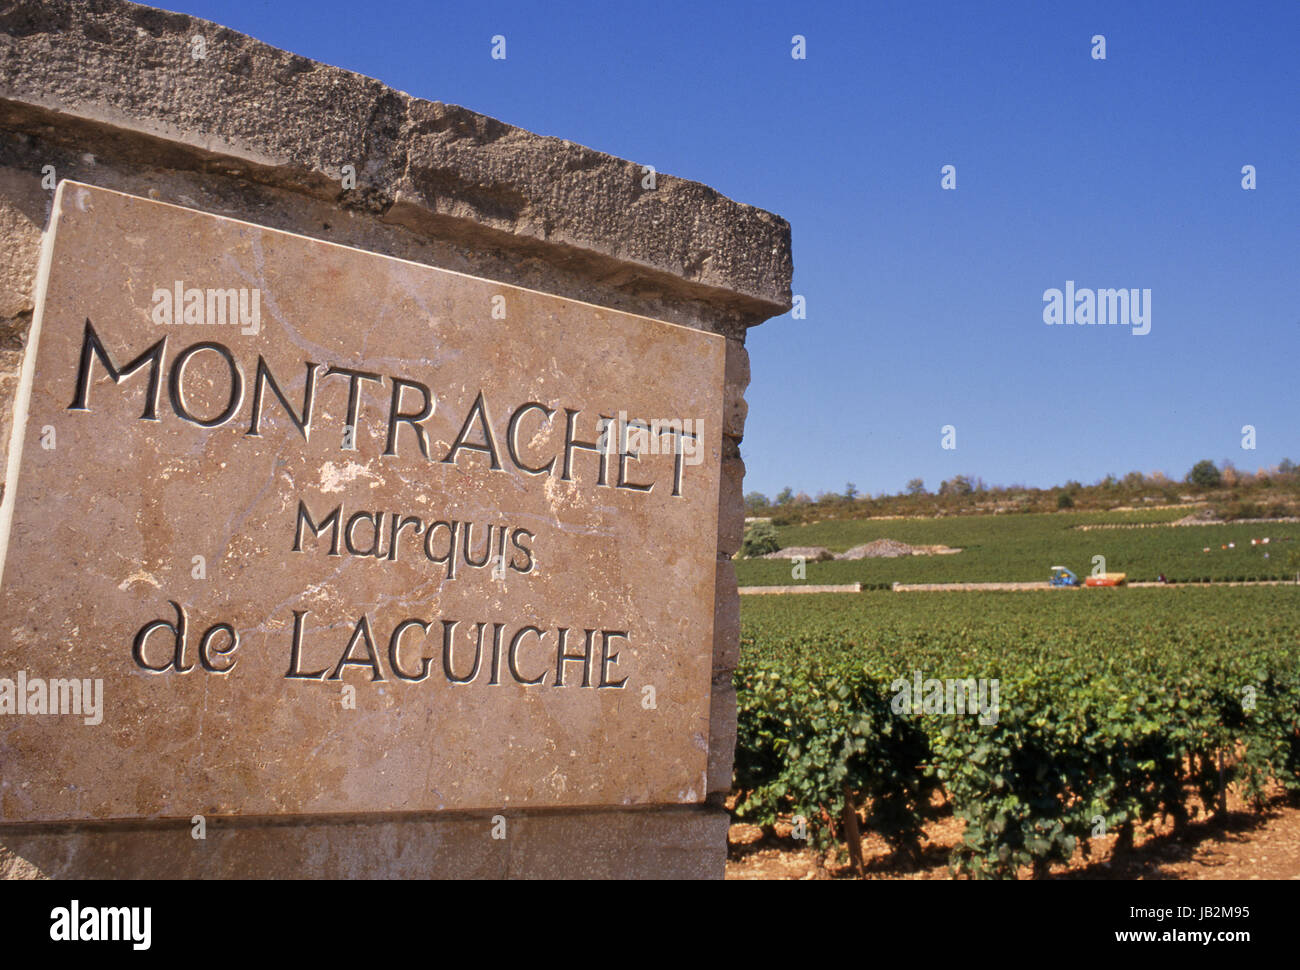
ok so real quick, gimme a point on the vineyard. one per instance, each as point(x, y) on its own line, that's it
point(1021, 548)
point(1097, 712)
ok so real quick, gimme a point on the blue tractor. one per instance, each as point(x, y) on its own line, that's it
point(1063, 577)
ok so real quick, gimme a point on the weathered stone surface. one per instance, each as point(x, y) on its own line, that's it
point(22, 212)
point(734, 398)
point(666, 843)
point(122, 78)
point(141, 478)
point(731, 507)
point(682, 844)
point(22, 216)
point(722, 746)
point(726, 654)
point(726, 651)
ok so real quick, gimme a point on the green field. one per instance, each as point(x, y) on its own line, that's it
point(1113, 707)
point(1023, 548)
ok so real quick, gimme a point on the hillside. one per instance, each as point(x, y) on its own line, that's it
point(1022, 548)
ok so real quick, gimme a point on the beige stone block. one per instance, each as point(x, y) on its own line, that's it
point(109, 69)
point(659, 844)
point(666, 843)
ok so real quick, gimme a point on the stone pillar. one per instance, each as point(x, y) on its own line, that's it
point(110, 94)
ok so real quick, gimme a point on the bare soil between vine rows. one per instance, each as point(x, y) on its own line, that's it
point(1243, 844)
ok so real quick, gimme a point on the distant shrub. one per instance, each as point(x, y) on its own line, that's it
point(961, 485)
point(1204, 474)
point(760, 539)
point(1063, 501)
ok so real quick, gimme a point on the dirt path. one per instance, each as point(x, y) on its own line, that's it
point(779, 590)
point(945, 587)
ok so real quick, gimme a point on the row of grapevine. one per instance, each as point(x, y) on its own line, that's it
point(1110, 710)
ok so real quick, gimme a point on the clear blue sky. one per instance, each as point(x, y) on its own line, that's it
point(925, 306)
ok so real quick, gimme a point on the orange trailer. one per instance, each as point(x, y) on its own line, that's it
point(1107, 579)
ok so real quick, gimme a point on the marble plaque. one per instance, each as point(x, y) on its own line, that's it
point(294, 528)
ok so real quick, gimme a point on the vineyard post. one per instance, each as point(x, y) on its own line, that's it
point(1223, 788)
point(852, 835)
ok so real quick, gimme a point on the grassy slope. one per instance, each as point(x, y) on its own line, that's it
point(1022, 548)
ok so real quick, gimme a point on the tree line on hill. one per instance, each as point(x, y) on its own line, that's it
point(1229, 494)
